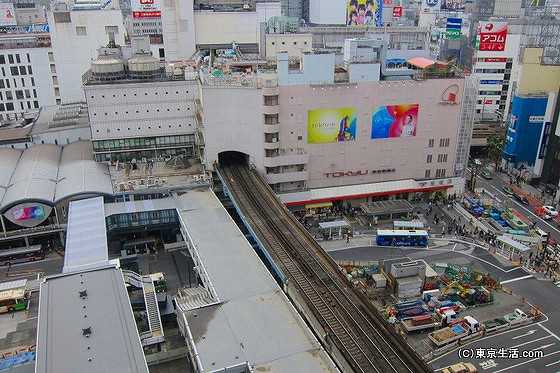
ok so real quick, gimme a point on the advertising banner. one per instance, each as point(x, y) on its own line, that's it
point(397, 11)
point(430, 6)
point(26, 213)
point(331, 125)
point(491, 36)
point(145, 8)
point(453, 5)
point(394, 121)
point(364, 13)
point(7, 15)
point(453, 28)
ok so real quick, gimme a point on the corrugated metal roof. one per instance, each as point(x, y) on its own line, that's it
point(35, 175)
point(421, 62)
point(79, 173)
point(10, 159)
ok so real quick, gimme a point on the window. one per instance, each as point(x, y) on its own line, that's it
point(14, 70)
point(81, 31)
point(18, 58)
point(440, 172)
point(443, 143)
point(2, 59)
point(427, 173)
point(430, 143)
point(442, 158)
point(113, 29)
point(429, 158)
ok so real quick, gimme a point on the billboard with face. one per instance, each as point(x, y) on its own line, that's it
point(7, 15)
point(364, 13)
point(394, 121)
point(331, 125)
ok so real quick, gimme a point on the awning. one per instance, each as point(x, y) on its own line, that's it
point(512, 243)
point(318, 205)
point(334, 224)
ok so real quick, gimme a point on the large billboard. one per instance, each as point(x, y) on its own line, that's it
point(364, 13)
point(145, 8)
point(453, 5)
point(394, 121)
point(331, 125)
point(31, 212)
point(491, 36)
point(7, 15)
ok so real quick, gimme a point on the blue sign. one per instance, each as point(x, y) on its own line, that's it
point(454, 22)
point(491, 82)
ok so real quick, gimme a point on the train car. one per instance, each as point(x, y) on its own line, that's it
point(386, 237)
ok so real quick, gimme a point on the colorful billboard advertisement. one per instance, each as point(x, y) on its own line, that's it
point(394, 121)
point(364, 13)
point(430, 6)
point(7, 15)
point(331, 125)
point(145, 8)
point(27, 213)
point(453, 5)
point(491, 36)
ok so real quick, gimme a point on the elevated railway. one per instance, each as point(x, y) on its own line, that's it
point(346, 322)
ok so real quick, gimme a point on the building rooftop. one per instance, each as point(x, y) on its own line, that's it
point(254, 323)
point(86, 323)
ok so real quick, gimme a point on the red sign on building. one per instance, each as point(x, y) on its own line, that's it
point(489, 59)
point(491, 36)
point(397, 11)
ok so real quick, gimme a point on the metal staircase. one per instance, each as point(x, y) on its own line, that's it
point(155, 334)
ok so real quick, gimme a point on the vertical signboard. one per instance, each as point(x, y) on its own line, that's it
point(364, 13)
point(397, 11)
point(145, 8)
point(453, 28)
point(7, 15)
point(491, 36)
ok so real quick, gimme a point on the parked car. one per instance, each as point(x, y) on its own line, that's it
point(486, 174)
point(460, 368)
point(550, 211)
point(507, 190)
point(521, 199)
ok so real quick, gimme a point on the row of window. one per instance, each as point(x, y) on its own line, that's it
point(441, 158)
point(144, 142)
point(440, 172)
point(9, 106)
point(13, 58)
point(19, 93)
point(141, 218)
point(21, 70)
point(443, 143)
point(5, 83)
point(144, 128)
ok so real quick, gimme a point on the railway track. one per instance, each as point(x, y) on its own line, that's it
point(352, 324)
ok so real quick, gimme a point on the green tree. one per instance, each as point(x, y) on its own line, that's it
point(495, 148)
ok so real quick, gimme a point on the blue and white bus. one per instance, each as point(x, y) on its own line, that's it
point(387, 237)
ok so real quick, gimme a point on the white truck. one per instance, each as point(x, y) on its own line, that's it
point(454, 331)
point(431, 321)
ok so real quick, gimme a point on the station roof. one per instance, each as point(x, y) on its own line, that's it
point(130, 207)
point(334, 224)
point(386, 207)
point(254, 321)
point(95, 332)
point(49, 173)
point(86, 235)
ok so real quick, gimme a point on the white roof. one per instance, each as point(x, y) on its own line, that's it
point(10, 159)
point(254, 322)
point(334, 224)
point(113, 344)
point(130, 207)
point(513, 243)
point(50, 173)
point(86, 235)
point(347, 191)
point(79, 173)
point(35, 175)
